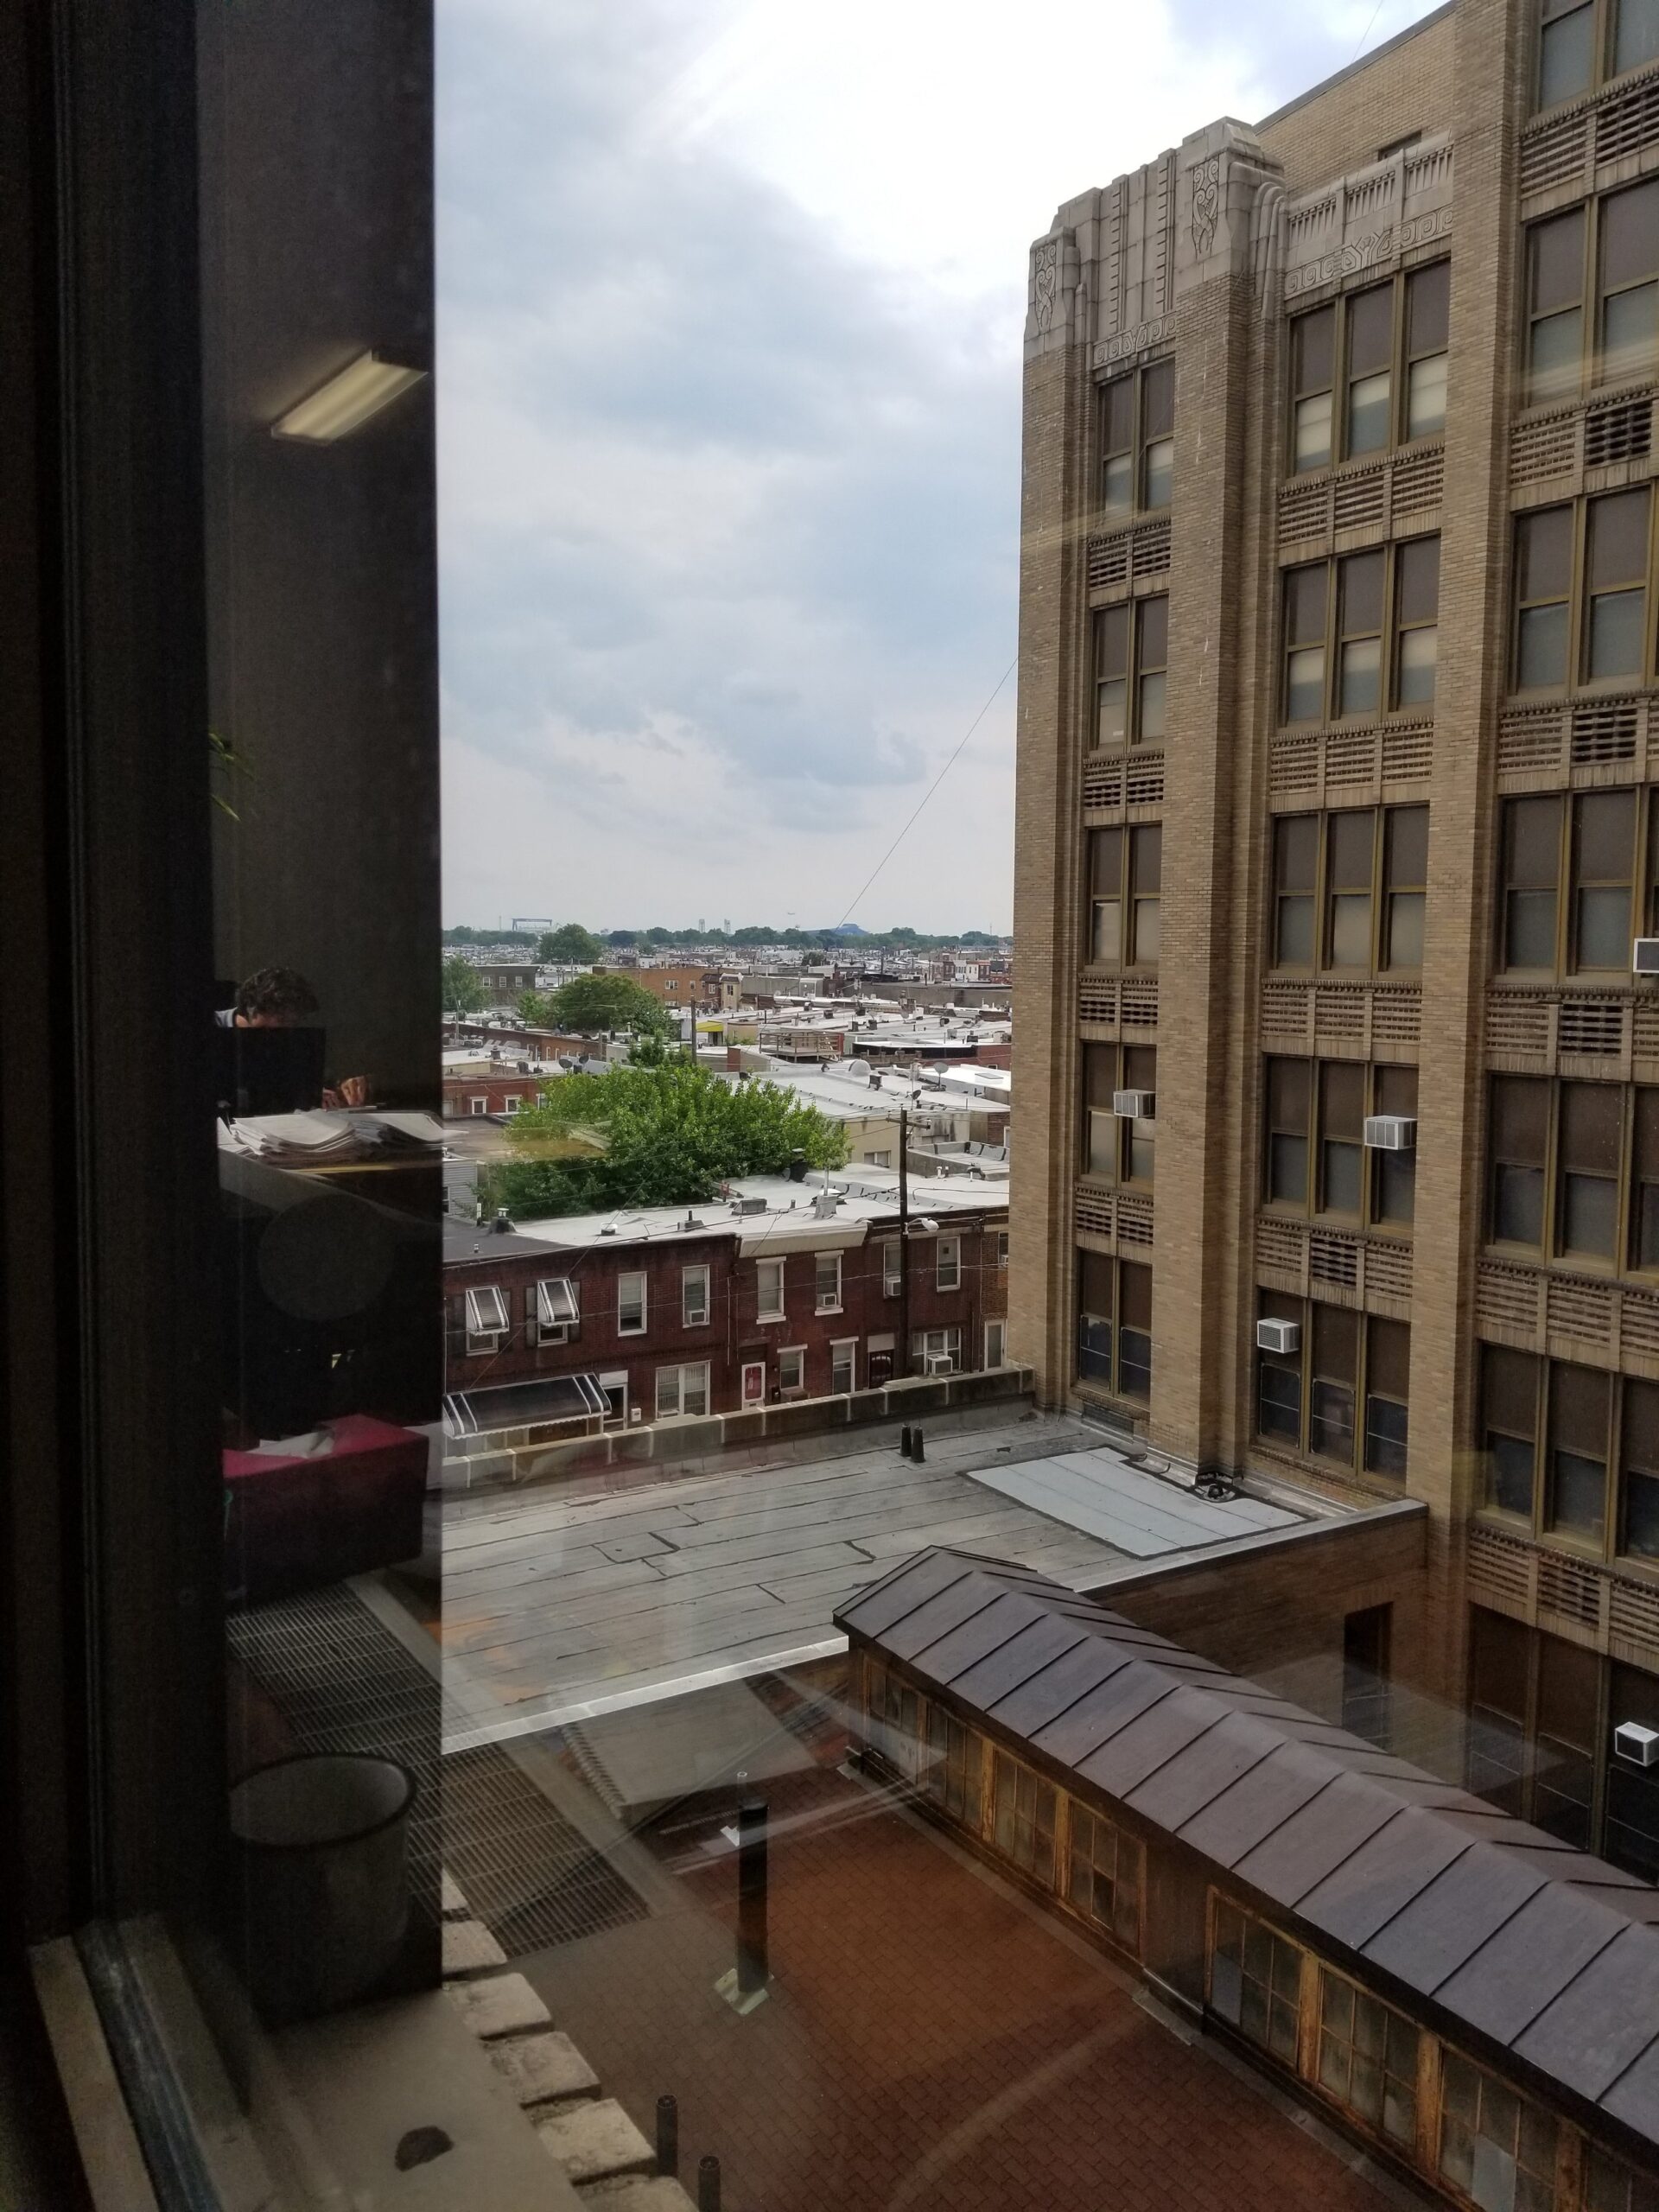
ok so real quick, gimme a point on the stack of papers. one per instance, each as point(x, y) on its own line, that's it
point(295, 1139)
point(393, 1133)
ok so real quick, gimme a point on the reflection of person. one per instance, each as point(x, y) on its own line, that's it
point(280, 998)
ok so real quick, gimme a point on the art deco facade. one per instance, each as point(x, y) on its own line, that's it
point(1337, 668)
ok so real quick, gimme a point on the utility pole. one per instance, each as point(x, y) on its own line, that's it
point(904, 1241)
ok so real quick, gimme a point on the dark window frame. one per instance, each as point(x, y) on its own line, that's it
point(1386, 888)
point(1402, 358)
point(1390, 631)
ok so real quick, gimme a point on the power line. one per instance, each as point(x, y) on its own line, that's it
point(932, 787)
point(1366, 33)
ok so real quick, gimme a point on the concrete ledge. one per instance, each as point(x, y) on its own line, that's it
point(543, 2070)
point(504, 2005)
point(595, 2141)
point(469, 1948)
point(512, 1458)
point(1306, 1536)
point(635, 2193)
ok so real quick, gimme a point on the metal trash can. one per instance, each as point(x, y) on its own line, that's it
point(322, 1877)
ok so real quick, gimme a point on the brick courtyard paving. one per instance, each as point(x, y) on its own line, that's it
point(928, 2046)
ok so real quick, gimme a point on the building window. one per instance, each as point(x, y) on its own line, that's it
point(1335, 628)
point(1598, 633)
point(1638, 1535)
point(1496, 2146)
point(1000, 1241)
point(1580, 1403)
point(1368, 2058)
point(1590, 842)
point(478, 1105)
point(1256, 1981)
point(1327, 869)
point(1137, 441)
point(1428, 299)
point(1103, 1876)
point(996, 1344)
point(683, 1392)
point(512, 1105)
point(1509, 1385)
point(1605, 251)
point(1387, 1368)
point(937, 1352)
point(1322, 1122)
point(1115, 1323)
point(1612, 2186)
point(694, 1298)
point(947, 1263)
point(551, 1311)
point(1367, 1638)
point(1125, 879)
point(951, 1775)
point(1384, 349)
point(1025, 1823)
point(1131, 673)
point(791, 1371)
point(631, 1305)
point(844, 1367)
point(1118, 1148)
point(826, 1277)
point(878, 1160)
point(892, 1267)
point(487, 1318)
point(1306, 1399)
point(769, 1290)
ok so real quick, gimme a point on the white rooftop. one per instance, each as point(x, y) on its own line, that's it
point(788, 1220)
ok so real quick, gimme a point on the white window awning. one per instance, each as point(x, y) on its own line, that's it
point(556, 1302)
point(486, 1311)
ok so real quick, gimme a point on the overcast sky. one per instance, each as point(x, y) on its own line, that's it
point(730, 304)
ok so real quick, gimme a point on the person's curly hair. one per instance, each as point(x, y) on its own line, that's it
point(282, 993)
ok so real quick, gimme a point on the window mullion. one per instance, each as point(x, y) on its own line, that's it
point(1333, 637)
point(1339, 382)
point(1566, 891)
point(1401, 371)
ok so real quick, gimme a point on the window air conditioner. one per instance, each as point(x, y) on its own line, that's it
point(1282, 1336)
point(939, 1362)
point(1391, 1132)
point(1644, 957)
point(1135, 1105)
point(1639, 1744)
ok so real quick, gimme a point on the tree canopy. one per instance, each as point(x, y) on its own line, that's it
point(463, 992)
point(592, 1005)
point(570, 946)
point(673, 1132)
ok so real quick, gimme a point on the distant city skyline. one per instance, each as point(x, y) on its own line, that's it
point(729, 389)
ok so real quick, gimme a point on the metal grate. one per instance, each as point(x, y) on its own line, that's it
point(344, 1683)
point(1621, 431)
point(1554, 153)
point(528, 1874)
point(1604, 731)
point(1546, 446)
point(1628, 121)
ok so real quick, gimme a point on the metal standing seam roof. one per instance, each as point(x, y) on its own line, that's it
point(1540, 1949)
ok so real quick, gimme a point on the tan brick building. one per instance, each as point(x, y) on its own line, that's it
point(1335, 830)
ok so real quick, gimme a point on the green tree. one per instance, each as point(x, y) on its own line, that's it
point(571, 946)
point(610, 1005)
point(751, 934)
point(624, 940)
point(672, 1135)
point(535, 1009)
point(463, 992)
point(658, 935)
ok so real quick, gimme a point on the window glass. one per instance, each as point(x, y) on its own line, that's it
point(1644, 1194)
point(1134, 1329)
point(1428, 303)
point(1591, 1113)
point(1296, 863)
point(1493, 2140)
point(1111, 675)
point(1579, 1402)
point(1509, 1406)
point(1288, 1115)
point(1096, 1306)
point(1406, 868)
point(1100, 1135)
point(1394, 1173)
point(1342, 1119)
point(1532, 862)
point(1371, 351)
point(1350, 856)
point(1566, 50)
point(1256, 1981)
point(1146, 864)
point(1305, 597)
point(1417, 595)
point(1158, 423)
point(1106, 901)
point(1118, 446)
point(1312, 354)
point(1387, 1364)
point(1543, 543)
point(1604, 835)
point(1499, 1670)
point(1555, 273)
point(1639, 1534)
point(1359, 617)
point(1333, 1380)
point(1636, 33)
point(1368, 2058)
point(1617, 565)
point(1279, 1375)
point(1103, 1876)
point(1152, 661)
point(1630, 282)
point(1519, 1135)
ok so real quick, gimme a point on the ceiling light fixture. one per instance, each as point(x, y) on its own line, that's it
point(362, 388)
